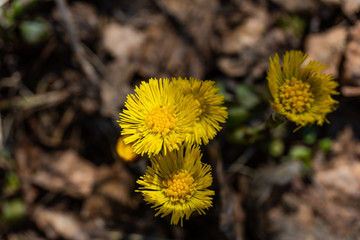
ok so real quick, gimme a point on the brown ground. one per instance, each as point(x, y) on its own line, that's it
point(60, 98)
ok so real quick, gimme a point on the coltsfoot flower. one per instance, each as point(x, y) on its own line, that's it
point(177, 184)
point(300, 92)
point(212, 113)
point(125, 151)
point(157, 117)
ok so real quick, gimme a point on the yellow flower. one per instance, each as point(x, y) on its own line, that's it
point(177, 184)
point(212, 113)
point(300, 92)
point(157, 117)
point(125, 151)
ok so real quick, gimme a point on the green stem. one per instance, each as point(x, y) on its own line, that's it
point(252, 134)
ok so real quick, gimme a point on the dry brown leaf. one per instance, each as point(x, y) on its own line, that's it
point(58, 224)
point(341, 182)
point(196, 21)
point(349, 7)
point(169, 54)
point(96, 206)
point(123, 43)
point(86, 20)
point(328, 207)
point(68, 173)
point(327, 48)
point(309, 6)
point(246, 35)
point(352, 57)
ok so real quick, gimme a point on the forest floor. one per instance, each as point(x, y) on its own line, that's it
point(67, 66)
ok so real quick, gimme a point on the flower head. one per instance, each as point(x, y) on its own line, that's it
point(301, 93)
point(125, 151)
point(212, 113)
point(157, 117)
point(177, 184)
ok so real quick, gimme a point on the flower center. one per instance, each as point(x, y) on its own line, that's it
point(179, 186)
point(295, 96)
point(161, 120)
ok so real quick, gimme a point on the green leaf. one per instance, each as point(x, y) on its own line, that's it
point(222, 90)
point(34, 31)
point(246, 96)
point(325, 144)
point(12, 182)
point(237, 116)
point(292, 24)
point(309, 135)
point(276, 147)
point(301, 152)
point(13, 211)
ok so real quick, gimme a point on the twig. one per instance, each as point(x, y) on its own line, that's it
point(79, 50)
point(239, 164)
point(1, 134)
point(39, 100)
point(231, 215)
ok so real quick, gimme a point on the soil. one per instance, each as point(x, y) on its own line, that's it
point(66, 68)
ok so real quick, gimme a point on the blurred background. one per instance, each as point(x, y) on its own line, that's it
point(67, 66)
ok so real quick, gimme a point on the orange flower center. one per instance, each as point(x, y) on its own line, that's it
point(179, 186)
point(295, 96)
point(161, 120)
